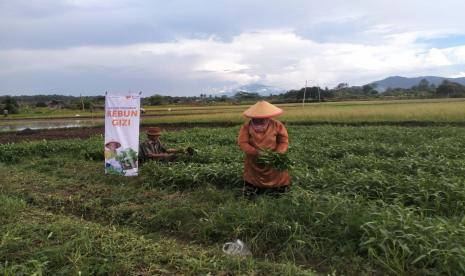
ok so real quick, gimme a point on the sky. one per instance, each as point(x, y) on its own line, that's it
point(185, 47)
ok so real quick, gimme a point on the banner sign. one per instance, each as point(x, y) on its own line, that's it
point(122, 117)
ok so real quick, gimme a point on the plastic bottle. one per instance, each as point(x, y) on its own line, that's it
point(236, 248)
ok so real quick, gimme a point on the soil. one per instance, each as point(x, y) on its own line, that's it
point(49, 134)
point(82, 133)
point(86, 132)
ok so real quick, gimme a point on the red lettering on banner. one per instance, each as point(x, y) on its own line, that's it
point(122, 113)
point(121, 122)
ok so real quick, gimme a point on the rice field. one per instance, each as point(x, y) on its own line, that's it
point(430, 110)
point(348, 112)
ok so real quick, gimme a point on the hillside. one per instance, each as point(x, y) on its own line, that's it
point(405, 83)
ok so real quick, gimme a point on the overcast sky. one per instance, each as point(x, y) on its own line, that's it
point(205, 46)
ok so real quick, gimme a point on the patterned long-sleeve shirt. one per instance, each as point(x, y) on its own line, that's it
point(150, 147)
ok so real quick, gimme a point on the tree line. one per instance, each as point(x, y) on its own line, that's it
point(424, 89)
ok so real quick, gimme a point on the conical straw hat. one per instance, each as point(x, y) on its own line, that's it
point(118, 144)
point(262, 109)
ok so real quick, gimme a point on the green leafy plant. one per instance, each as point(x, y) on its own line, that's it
point(380, 200)
point(279, 161)
point(127, 158)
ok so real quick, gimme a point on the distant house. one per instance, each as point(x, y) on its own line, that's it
point(54, 104)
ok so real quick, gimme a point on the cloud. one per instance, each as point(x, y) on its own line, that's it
point(189, 47)
point(458, 75)
point(273, 57)
point(73, 23)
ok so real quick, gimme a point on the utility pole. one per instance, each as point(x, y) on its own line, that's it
point(305, 91)
point(82, 102)
point(319, 96)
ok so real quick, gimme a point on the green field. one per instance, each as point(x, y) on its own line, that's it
point(365, 200)
point(338, 112)
point(431, 110)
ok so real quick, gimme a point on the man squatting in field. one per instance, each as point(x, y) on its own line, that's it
point(153, 149)
point(263, 132)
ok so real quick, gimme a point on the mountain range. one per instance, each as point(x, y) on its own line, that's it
point(403, 82)
point(262, 90)
point(381, 85)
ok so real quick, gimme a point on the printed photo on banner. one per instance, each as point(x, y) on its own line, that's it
point(122, 118)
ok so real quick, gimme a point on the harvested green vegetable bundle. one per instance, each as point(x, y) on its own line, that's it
point(279, 161)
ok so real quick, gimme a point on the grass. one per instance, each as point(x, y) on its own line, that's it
point(39, 242)
point(365, 200)
point(347, 112)
point(435, 110)
point(431, 112)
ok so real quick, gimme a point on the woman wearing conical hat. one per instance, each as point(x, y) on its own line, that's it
point(112, 165)
point(259, 133)
point(110, 148)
